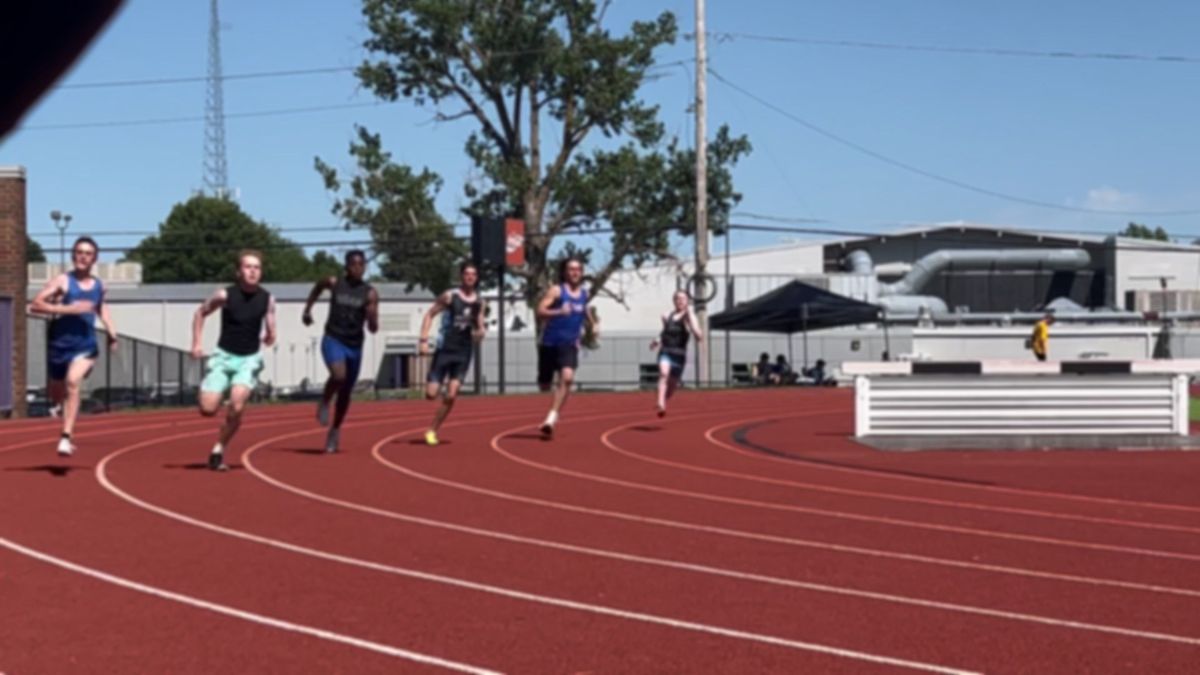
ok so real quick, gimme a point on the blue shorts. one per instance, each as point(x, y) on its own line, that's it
point(61, 359)
point(334, 351)
point(675, 361)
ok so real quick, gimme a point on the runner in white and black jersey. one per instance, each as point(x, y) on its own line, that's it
point(678, 325)
point(462, 327)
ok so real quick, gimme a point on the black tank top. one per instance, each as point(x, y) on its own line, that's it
point(458, 320)
point(242, 319)
point(675, 334)
point(347, 312)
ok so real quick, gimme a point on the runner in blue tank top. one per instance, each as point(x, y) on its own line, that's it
point(75, 300)
point(564, 311)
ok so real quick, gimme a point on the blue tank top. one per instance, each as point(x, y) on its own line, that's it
point(566, 330)
point(77, 332)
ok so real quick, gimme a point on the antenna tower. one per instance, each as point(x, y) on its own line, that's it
point(216, 172)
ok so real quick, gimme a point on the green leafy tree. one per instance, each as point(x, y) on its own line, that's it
point(1139, 231)
point(33, 251)
point(325, 264)
point(561, 137)
point(200, 239)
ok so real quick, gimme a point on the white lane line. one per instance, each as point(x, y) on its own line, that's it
point(251, 617)
point(1001, 489)
point(102, 477)
point(691, 567)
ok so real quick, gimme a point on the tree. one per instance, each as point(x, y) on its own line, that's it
point(200, 239)
point(325, 265)
point(33, 251)
point(540, 80)
point(1139, 231)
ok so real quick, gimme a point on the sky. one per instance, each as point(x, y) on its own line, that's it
point(1094, 134)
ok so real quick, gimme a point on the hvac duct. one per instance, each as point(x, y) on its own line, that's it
point(1007, 259)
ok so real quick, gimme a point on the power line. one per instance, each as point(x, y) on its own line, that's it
point(935, 176)
point(979, 51)
point(204, 78)
point(198, 118)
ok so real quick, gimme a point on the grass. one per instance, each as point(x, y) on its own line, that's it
point(1194, 409)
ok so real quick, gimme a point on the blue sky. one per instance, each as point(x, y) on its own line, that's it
point(1098, 134)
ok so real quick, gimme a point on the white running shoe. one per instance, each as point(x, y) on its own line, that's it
point(323, 413)
point(331, 441)
point(65, 447)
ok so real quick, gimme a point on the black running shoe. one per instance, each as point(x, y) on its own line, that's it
point(548, 430)
point(216, 461)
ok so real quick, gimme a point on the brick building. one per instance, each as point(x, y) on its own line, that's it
point(13, 282)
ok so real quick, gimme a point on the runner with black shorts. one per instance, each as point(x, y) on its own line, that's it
point(564, 309)
point(678, 326)
point(352, 302)
point(462, 327)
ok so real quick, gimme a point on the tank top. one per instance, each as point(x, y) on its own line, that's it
point(347, 312)
point(77, 332)
point(458, 321)
point(675, 334)
point(566, 330)
point(242, 320)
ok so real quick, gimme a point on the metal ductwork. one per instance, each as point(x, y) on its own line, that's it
point(911, 305)
point(928, 267)
point(859, 262)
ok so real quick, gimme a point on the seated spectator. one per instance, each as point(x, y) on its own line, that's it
point(762, 369)
point(818, 374)
point(781, 371)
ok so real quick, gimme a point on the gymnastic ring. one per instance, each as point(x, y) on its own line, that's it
point(701, 282)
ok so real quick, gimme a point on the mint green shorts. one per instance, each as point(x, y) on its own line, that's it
point(227, 370)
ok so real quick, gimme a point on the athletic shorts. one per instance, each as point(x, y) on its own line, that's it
point(61, 359)
point(334, 351)
point(553, 358)
point(448, 366)
point(227, 370)
point(675, 361)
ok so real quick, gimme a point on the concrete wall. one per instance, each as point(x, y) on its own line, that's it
point(1141, 268)
point(1066, 342)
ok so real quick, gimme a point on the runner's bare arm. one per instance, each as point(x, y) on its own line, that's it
point(106, 320)
point(43, 302)
point(373, 311)
point(317, 289)
point(442, 302)
point(212, 304)
point(543, 308)
point(269, 338)
point(694, 325)
point(480, 324)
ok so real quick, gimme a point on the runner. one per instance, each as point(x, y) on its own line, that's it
point(564, 309)
point(462, 327)
point(352, 302)
point(236, 362)
point(678, 325)
point(75, 299)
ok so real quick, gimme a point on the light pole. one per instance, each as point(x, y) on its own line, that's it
point(61, 222)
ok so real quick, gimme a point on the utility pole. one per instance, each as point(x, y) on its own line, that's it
point(216, 171)
point(700, 277)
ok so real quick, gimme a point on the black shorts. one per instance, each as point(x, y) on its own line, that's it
point(553, 358)
point(449, 366)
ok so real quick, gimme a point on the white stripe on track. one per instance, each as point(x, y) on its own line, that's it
point(102, 477)
point(251, 617)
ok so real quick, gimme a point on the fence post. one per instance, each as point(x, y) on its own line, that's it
point(180, 380)
point(134, 377)
point(159, 386)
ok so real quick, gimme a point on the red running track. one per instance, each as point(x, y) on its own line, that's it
point(743, 533)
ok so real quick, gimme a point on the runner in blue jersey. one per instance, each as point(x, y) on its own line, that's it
point(75, 299)
point(564, 312)
point(462, 327)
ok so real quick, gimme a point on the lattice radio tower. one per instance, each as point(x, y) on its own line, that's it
point(216, 172)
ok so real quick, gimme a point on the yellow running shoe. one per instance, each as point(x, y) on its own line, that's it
point(431, 437)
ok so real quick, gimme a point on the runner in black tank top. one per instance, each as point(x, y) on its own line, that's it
point(234, 366)
point(462, 327)
point(352, 303)
point(678, 325)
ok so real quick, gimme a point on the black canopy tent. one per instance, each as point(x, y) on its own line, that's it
point(797, 307)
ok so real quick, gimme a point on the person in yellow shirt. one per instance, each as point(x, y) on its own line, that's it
point(1040, 342)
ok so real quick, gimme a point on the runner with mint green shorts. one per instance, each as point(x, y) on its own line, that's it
point(226, 371)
